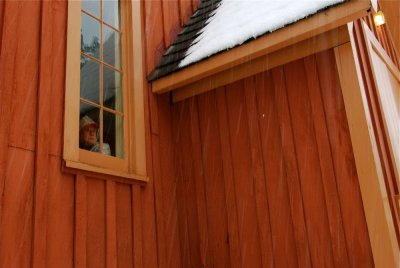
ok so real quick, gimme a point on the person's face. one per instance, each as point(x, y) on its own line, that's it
point(89, 135)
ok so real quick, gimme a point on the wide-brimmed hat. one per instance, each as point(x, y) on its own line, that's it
point(87, 121)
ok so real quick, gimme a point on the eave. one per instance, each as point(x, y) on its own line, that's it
point(314, 26)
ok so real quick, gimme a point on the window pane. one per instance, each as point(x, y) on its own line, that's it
point(111, 12)
point(90, 78)
point(88, 127)
point(112, 89)
point(111, 47)
point(114, 133)
point(91, 6)
point(90, 36)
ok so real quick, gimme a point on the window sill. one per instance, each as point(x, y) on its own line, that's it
point(103, 172)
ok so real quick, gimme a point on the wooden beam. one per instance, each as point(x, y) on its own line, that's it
point(302, 30)
point(307, 47)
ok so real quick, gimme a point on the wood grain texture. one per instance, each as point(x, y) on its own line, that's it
point(16, 220)
point(171, 20)
point(42, 137)
point(344, 165)
point(96, 223)
point(244, 182)
point(124, 223)
point(80, 230)
point(205, 119)
point(60, 216)
point(284, 198)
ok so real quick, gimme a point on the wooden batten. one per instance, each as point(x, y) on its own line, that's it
point(303, 30)
point(285, 55)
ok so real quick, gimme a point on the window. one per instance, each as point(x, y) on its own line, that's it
point(104, 106)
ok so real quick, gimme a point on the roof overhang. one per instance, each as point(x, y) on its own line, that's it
point(326, 23)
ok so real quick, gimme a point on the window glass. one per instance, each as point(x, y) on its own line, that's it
point(92, 7)
point(111, 46)
point(90, 35)
point(90, 77)
point(112, 95)
point(111, 12)
point(101, 110)
point(113, 133)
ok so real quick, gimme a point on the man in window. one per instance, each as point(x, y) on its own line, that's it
point(88, 136)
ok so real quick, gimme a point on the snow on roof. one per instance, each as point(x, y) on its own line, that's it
point(237, 21)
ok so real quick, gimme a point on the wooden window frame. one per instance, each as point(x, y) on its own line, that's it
point(133, 165)
point(369, 164)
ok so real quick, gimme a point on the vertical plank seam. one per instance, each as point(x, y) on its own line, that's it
point(259, 153)
point(265, 175)
point(331, 158)
point(42, 138)
point(292, 136)
point(111, 231)
point(226, 179)
point(233, 175)
point(80, 226)
point(314, 132)
point(5, 111)
point(196, 106)
point(163, 23)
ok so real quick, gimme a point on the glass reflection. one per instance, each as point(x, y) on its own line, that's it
point(90, 36)
point(113, 133)
point(88, 127)
point(111, 12)
point(92, 7)
point(90, 78)
point(111, 47)
point(112, 89)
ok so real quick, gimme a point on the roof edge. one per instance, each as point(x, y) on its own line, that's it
point(294, 33)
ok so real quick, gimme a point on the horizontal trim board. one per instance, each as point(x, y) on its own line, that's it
point(99, 172)
point(302, 30)
point(285, 55)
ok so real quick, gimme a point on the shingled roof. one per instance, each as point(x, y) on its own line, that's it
point(177, 51)
point(183, 52)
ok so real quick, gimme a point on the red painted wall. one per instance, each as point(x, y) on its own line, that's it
point(257, 173)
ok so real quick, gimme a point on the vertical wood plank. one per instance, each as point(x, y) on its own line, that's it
point(167, 203)
point(60, 216)
point(240, 149)
point(230, 191)
point(7, 72)
point(138, 228)
point(283, 202)
point(197, 189)
point(205, 120)
point(154, 30)
point(308, 165)
point(111, 224)
point(190, 193)
point(124, 226)
point(80, 259)
point(263, 216)
point(185, 7)
point(96, 243)
point(171, 18)
point(58, 59)
point(42, 138)
point(343, 161)
point(27, 73)
point(2, 4)
point(325, 155)
point(16, 221)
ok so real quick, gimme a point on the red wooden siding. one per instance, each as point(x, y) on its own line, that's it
point(259, 173)
point(266, 174)
point(381, 137)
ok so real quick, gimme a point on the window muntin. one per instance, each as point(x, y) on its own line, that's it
point(101, 74)
point(127, 88)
